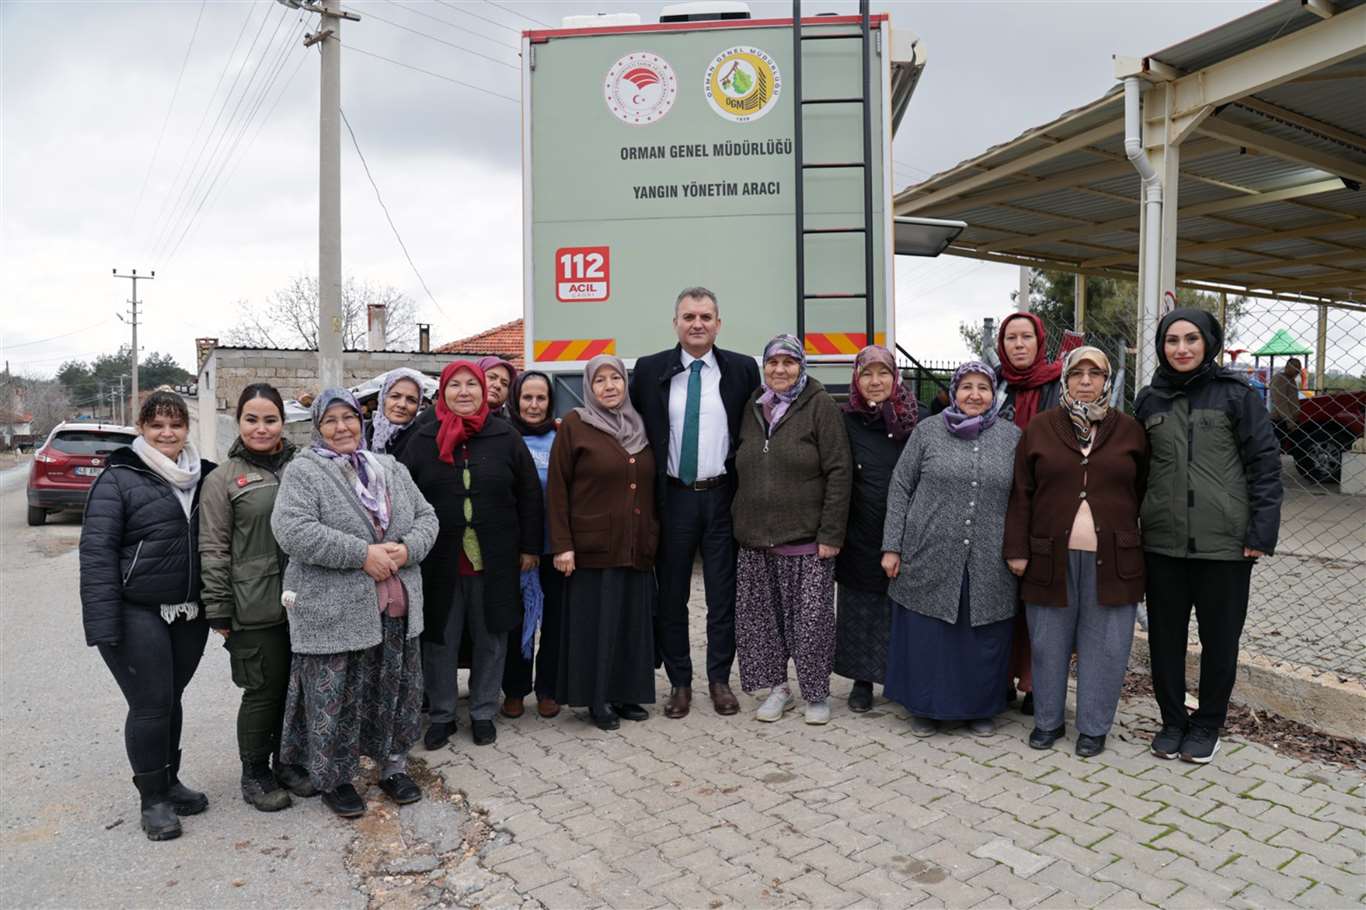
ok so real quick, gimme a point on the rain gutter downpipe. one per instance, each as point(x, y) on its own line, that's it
point(1152, 211)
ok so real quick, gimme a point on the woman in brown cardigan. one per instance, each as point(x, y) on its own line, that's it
point(603, 532)
point(1072, 536)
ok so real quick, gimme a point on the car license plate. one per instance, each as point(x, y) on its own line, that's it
point(89, 472)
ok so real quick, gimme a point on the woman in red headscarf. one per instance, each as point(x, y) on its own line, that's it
point(474, 469)
point(1029, 384)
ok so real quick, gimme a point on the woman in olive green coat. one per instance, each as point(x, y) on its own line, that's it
point(241, 566)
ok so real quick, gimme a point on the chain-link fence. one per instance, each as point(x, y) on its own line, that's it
point(1308, 363)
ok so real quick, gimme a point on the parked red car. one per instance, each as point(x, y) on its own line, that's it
point(1326, 426)
point(66, 466)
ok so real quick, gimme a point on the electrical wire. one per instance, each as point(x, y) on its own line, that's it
point(24, 344)
point(427, 72)
point(192, 184)
point(203, 118)
point(291, 40)
point(156, 151)
point(451, 44)
point(515, 13)
point(465, 11)
point(512, 45)
point(388, 217)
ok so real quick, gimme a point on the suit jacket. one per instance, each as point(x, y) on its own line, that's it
point(650, 395)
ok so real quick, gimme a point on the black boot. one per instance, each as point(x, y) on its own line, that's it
point(260, 788)
point(294, 778)
point(158, 815)
point(185, 800)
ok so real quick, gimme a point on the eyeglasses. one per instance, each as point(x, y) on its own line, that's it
point(1098, 375)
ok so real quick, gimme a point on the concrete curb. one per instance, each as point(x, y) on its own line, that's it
point(1316, 698)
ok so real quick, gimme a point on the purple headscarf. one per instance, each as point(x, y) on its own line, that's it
point(369, 473)
point(775, 404)
point(959, 423)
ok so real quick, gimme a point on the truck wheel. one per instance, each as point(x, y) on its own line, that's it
point(1318, 451)
point(36, 516)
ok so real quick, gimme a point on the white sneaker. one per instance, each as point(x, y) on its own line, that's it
point(818, 712)
point(779, 701)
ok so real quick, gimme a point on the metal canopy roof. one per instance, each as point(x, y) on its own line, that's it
point(1270, 181)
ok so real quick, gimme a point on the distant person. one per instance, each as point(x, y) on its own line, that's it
point(396, 410)
point(242, 567)
point(692, 398)
point(140, 593)
point(791, 510)
point(500, 375)
point(477, 473)
point(603, 532)
point(354, 527)
point(1212, 508)
point(1026, 385)
point(955, 598)
point(1072, 538)
point(1285, 398)
point(532, 413)
point(878, 418)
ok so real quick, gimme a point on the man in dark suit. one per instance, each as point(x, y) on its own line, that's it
point(692, 398)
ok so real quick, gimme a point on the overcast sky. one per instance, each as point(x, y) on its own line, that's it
point(90, 182)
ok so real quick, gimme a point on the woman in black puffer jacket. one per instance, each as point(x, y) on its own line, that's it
point(140, 597)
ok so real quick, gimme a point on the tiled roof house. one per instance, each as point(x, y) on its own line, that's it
point(504, 340)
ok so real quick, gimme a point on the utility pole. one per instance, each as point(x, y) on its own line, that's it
point(330, 326)
point(123, 402)
point(133, 320)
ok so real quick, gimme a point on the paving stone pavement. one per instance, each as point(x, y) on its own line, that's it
point(712, 812)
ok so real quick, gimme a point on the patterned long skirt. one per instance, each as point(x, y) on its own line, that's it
point(863, 628)
point(342, 706)
point(785, 610)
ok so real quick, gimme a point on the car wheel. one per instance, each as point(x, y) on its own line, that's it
point(36, 516)
point(1318, 451)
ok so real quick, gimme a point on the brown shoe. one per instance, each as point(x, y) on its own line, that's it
point(547, 707)
point(679, 703)
point(723, 699)
point(512, 707)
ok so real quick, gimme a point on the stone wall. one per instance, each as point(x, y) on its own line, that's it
point(226, 371)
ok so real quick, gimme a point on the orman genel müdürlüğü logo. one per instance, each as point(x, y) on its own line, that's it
point(640, 88)
point(743, 84)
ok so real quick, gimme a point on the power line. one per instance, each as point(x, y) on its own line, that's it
point(268, 83)
point(458, 47)
point(464, 10)
point(203, 118)
point(388, 217)
point(418, 69)
point(510, 45)
point(515, 13)
point(167, 119)
point(24, 344)
point(192, 184)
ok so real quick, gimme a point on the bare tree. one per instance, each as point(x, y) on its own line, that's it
point(49, 404)
point(289, 318)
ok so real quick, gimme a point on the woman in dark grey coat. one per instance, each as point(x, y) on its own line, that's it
point(945, 523)
point(355, 528)
point(879, 417)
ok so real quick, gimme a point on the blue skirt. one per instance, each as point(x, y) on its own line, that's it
point(948, 672)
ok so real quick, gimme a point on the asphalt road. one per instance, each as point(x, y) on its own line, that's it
point(69, 834)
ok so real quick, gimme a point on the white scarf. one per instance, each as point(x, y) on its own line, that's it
point(182, 474)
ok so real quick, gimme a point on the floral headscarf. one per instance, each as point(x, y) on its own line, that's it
point(382, 429)
point(958, 422)
point(368, 484)
point(775, 404)
point(898, 412)
point(1086, 414)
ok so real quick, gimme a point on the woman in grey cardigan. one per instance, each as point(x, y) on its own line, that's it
point(355, 528)
point(955, 596)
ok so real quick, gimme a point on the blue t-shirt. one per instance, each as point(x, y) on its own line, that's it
point(539, 446)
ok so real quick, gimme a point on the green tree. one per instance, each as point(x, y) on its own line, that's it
point(87, 384)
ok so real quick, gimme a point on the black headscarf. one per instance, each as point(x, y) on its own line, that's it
point(514, 405)
point(1168, 377)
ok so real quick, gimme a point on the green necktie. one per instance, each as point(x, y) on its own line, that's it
point(692, 416)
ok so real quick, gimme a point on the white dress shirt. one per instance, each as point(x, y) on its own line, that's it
point(713, 429)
